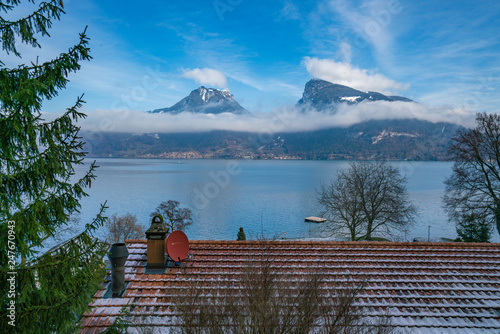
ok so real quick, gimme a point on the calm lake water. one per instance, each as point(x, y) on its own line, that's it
point(269, 197)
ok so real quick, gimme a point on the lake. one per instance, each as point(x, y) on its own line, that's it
point(265, 197)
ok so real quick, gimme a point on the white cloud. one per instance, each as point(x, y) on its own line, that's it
point(285, 119)
point(206, 76)
point(290, 11)
point(346, 52)
point(372, 20)
point(344, 73)
point(381, 110)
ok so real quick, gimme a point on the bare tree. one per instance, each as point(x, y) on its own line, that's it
point(176, 218)
point(262, 300)
point(366, 197)
point(343, 207)
point(474, 186)
point(121, 228)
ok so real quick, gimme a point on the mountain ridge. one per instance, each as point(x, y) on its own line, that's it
point(389, 139)
point(410, 139)
point(321, 94)
point(318, 94)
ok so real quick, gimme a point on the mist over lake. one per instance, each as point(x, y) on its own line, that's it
point(263, 196)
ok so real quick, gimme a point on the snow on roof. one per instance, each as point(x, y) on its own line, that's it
point(424, 287)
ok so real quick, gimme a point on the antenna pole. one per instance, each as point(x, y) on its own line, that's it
point(261, 227)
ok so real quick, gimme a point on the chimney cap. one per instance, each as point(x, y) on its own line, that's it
point(157, 230)
point(118, 254)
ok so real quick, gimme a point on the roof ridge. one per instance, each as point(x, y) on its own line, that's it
point(331, 242)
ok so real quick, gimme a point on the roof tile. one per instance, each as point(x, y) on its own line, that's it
point(435, 287)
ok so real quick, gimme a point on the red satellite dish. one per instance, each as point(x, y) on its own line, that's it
point(177, 246)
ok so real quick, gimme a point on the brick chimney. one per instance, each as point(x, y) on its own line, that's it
point(156, 243)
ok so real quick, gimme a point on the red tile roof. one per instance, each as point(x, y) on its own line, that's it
point(429, 287)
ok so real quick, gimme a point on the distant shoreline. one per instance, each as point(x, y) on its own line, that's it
point(258, 159)
point(395, 140)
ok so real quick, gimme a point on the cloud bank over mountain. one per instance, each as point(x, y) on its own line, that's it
point(346, 74)
point(285, 119)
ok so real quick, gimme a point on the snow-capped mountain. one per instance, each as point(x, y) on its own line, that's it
point(206, 101)
point(394, 139)
point(320, 94)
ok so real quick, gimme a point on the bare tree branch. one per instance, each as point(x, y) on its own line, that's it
point(366, 196)
point(176, 218)
point(265, 298)
point(121, 228)
point(474, 186)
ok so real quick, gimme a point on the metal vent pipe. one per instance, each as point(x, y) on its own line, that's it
point(118, 255)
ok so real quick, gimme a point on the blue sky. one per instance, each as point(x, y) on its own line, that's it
point(150, 54)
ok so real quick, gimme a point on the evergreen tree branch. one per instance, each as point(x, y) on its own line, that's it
point(49, 217)
point(37, 190)
point(26, 28)
point(23, 89)
point(87, 233)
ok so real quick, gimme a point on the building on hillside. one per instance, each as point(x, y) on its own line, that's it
point(419, 287)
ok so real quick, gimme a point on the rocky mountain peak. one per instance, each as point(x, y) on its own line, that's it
point(321, 94)
point(207, 101)
point(209, 95)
